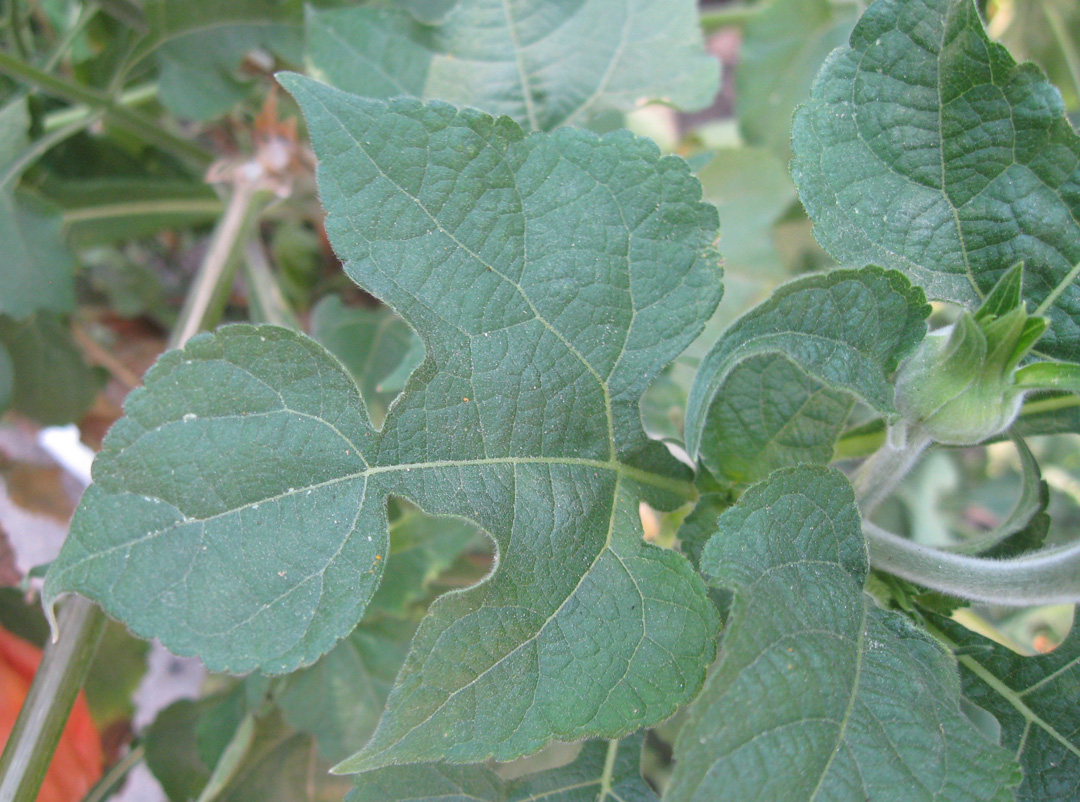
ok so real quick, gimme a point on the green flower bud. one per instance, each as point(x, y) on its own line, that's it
point(960, 384)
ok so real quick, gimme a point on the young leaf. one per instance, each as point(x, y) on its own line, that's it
point(846, 328)
point(804, 702)
point(551, 277)
point(925, 148)
point(1033, 700)
point(782, 48)
point(604, 771)
point(543, 65)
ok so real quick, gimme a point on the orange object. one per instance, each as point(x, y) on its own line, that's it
point(77, 764)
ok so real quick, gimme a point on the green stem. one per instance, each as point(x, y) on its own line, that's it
point(37, 730)
point(16, 29)
point(266, 301)
point(104, 787)
point(132, 97)
point(39, 146)
point(142, 127)
point(1047, 576)
point(886, 467)
point(1048, 301)
point(89, 10)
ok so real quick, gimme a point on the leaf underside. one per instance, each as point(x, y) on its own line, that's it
point(544, 64)
point(804, 702)
point(926, 148)
point(551, 277)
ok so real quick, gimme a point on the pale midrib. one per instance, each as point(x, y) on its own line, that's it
point(1009, 695)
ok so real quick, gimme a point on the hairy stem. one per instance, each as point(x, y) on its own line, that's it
point(1048, 576)
point(886, 467)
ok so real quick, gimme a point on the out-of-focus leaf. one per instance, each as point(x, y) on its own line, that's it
point(200, 45)
point(752, 188)
point(541, 63)
point(1045, 31)
point(924, 147)
point(103, 211)
point(1033, 698)
point(804, 702)
point(847, 329)
point(1050, 413)
point(604, 770)
point(372, 344)
point(782, 49)
point(53, 384)
point(340, 698)
point(38, 268)
point(7, 380)
point(118, 666)
point(172, 753)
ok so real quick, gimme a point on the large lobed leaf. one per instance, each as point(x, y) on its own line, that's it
point(1034, 700)
point(544, 64)
point(926, 148)
point(239, 509)
point(818, 693)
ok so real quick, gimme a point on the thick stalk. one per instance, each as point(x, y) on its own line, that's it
point(48, 704)
point(142, 127)
point(886, 467)
point(68, 658)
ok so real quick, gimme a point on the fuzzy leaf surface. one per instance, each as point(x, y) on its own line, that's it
point(804, 703)
point(541, 63)
point(926, 148)
point(1033, 698)
point(551, 277)
point(847, 329)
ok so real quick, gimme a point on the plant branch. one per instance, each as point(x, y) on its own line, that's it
point(36, 149)
point(146, 129)
point(107, 784)
point(1048, 576)
point(89, 11)
point(132, 97)
point(48, 704)
point(885, 468)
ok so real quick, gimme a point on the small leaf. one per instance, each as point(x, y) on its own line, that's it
point(1032, 698)
point(1049, 376)
point(804, 702)
point(603, 770)
point(845, 328)
point(248, 488)
point(782, 48)
point(543, 65)
point(925, 148)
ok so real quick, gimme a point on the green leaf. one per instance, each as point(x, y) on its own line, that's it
point(604, 770)
point(340, 698)
point(1032, 699)
point(172, 753)
point(771, 414)
point(782, 48)
point(53, 385)
point(38, 268)
point(247, 487)
point(7, 380)
point(846, 328)
point(1049, 376)
point(371, 343)
point(751, 188)
point(200, 45)
point(420, 549)
point(925, 148)
point(1050, 413)
point(543, 65)
point(804, 702)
